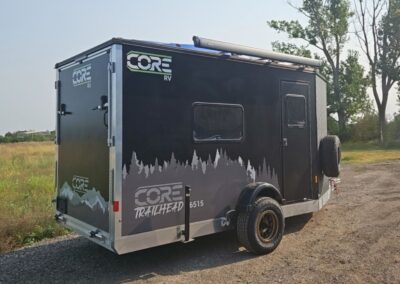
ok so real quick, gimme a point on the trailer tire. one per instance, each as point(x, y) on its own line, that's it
point(260, 229)
point(330, 155)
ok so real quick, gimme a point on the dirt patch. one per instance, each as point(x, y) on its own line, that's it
point(354, 239)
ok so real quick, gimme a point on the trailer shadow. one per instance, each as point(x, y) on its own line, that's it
point(296, 223)
point(79, 260)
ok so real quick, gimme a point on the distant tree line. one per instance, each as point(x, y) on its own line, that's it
point(366, 129)
point(25, 136)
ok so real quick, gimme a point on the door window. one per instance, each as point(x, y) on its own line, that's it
point(295, 111)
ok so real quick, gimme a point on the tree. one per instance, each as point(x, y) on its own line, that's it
point(378, 32)
point(398, 93)
point(353, 100)
point(290, 48)
point(365, 128)
point(327, 29)
point(353, 88)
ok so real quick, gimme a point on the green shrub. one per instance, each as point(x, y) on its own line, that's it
point(365, 128)
point(393, 132)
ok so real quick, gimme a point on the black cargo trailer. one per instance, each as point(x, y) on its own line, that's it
point(159, 143)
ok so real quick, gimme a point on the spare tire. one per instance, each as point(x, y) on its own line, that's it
point(330, 154)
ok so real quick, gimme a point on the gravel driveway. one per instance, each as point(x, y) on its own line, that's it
point(354, 239)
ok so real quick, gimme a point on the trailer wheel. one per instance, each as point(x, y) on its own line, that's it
point(330, 155)
point(260, 229)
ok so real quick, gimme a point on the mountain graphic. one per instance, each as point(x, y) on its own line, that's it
point(92, 198)
point(197, 166)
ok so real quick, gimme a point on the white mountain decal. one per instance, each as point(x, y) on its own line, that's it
point(197, 166)
point(92, 198)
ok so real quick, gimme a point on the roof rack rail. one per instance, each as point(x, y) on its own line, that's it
point(256, 52)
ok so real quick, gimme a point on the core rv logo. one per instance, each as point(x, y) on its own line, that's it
point(82, 76)
point(150, 63)
point(80, 184)
point(159, 199)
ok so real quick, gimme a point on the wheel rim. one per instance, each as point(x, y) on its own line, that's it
point(267, 226)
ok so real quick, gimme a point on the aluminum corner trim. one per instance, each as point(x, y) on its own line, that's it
point(116, 148)
point(306, 206)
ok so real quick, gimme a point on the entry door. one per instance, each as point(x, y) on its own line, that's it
point(295, 141)
point(83, 153)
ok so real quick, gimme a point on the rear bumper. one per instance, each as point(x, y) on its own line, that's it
point(92, 233)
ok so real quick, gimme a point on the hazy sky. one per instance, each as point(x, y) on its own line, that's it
point(37, 34)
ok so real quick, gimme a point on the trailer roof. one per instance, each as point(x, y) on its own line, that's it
point(176, 47)
point(136, 42)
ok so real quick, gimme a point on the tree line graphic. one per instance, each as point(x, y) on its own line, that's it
point(222, 165)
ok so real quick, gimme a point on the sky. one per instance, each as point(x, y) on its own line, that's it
point(37, 34)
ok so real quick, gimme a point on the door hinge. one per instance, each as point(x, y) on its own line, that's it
point(111, 141)
point(57, 84)
point(111, 67)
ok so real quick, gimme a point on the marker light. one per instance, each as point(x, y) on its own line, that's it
point(115, 206)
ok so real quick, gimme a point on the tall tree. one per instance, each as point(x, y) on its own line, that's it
point(353, 88)
point(327, 29)
point(353, 83)
point(378, 32)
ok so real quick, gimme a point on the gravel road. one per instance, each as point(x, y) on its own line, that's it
point(354, 239)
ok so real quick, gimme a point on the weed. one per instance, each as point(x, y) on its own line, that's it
point(369, 156)
point(26, 192)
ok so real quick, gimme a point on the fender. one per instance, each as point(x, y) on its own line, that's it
point(254, 190)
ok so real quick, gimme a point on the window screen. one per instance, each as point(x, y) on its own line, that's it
point(217, 122)
point(295, 111)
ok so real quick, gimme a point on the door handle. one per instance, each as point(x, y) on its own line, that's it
point(101, 107)
point(284, 142)
point(63, 110)
point(103, 104)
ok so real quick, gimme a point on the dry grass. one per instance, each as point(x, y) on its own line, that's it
point(367, 153)
point(369, 156)
point(26, 191)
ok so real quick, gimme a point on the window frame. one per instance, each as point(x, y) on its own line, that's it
point(200, 141)
point(297, 125)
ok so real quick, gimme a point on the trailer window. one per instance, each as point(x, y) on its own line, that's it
point(217, 122)
point(295, 111)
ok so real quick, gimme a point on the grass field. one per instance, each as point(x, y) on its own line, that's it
point(26, 191)
point(26, 188)
point(356, 153)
